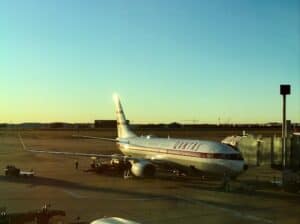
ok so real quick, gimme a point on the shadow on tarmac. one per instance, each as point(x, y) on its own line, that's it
point(194, 183)
point(45, 181)
point(223, 205)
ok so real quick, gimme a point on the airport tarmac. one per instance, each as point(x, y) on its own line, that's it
point(164, 199)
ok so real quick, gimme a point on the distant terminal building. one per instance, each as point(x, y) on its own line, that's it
point(56, 125)
point(105, 124)
point(3, 125)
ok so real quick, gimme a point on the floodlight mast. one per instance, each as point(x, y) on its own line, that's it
point(284, 90)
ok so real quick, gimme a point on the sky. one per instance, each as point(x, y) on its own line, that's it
point(187, 61)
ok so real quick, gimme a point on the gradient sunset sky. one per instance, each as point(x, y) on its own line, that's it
point(179, 60)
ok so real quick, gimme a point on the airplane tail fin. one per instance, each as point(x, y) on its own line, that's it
point(122, 124)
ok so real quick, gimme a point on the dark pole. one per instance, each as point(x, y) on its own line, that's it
point(284, 131)
point(284, 90)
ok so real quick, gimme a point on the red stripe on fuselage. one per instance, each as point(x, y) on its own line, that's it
point(208, 155)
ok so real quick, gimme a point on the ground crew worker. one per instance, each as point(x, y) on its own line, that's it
point(127, 168)
point(93, 164)
point(76, 164)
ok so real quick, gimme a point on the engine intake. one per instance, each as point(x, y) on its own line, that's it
point(143, 169)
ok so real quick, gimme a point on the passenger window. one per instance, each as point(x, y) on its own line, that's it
point(194, 146)
point(176, 144)
point(180, 145)
point(188, 146)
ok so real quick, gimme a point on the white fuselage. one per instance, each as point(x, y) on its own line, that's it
point(206, 156)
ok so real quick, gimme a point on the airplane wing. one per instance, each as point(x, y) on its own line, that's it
point(95, 137)
point(75, 153)
point(160, 162)
point(68, 153)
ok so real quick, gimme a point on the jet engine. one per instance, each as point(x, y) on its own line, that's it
point(143, 168)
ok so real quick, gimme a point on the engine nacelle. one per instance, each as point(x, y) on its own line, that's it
point(143, 169)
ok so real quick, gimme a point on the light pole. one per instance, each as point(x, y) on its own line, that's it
point(284, 90)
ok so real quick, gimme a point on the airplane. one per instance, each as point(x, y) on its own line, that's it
point(146, 153)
